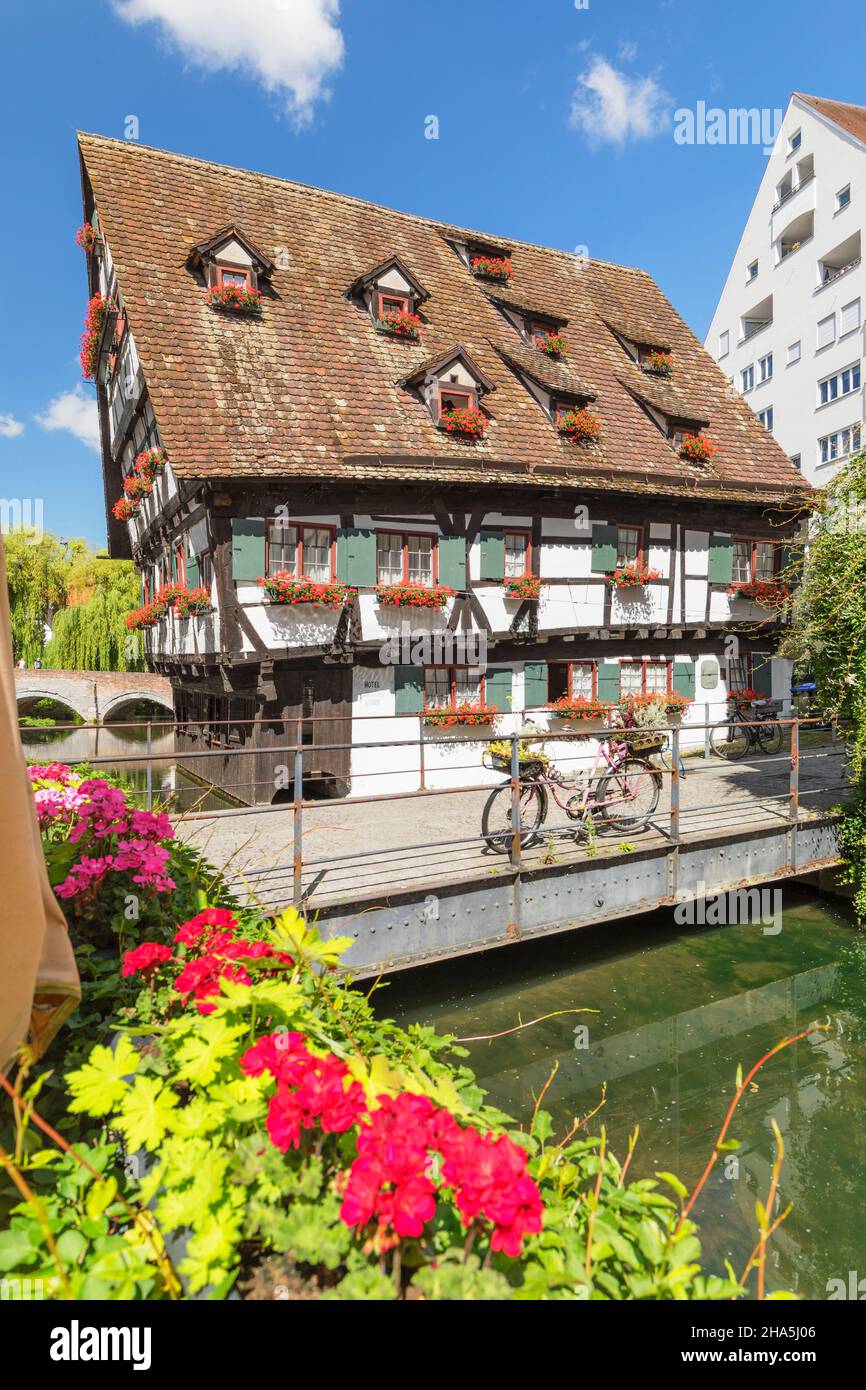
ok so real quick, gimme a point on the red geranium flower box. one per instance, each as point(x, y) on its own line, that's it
point(467, 421)
point(124, 509)
point(553, 344)
point(632, 576)
point(658, 363)
point(579, 707)
point(760, 591)
point(283, 587)
point(398, 323)
point(491, 267)
point(192, 603)
point(235, 297)
point(87, 237)
point(413, 595)
point(470, 712)
point(580, 425)
point(524, 586)
point(97, 310)
point(697, 449)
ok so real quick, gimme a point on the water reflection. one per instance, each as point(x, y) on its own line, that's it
point(679, 1010)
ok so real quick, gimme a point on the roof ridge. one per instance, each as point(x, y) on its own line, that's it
point(137, 145)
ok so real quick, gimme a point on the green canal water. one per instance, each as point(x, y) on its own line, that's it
point(679, 1008)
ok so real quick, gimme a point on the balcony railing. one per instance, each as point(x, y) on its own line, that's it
point(831, 273)
point(786, 197)
point(752, 328)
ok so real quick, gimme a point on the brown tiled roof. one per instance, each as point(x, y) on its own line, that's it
point(842, 113)
point(311, 389)
point(553, 373)
point(510, 299)
point(635, 330)
point(661, 395)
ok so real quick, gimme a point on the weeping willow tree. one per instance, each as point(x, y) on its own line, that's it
point(828, 634)
point(90, 634)
point(37, 565)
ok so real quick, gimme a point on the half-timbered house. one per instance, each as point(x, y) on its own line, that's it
point(301, 362)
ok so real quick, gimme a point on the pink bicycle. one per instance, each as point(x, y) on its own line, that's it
point(622, 790)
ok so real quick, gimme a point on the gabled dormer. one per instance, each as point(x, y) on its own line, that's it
point(487, 260)
point(645, 344)
point(678, 419)
point(392, 296)
point(229, 259)
point(539, 327)
point(450, 386)
point(553, 384)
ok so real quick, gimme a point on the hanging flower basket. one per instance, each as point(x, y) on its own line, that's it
point(582, 708)
point(413, 595)
point(658, 363)
point(124, 509)
point(137, 486)
point(150, 461)
point(741, 699)
point(235, 297)
point(553, 344)
point(466, 421)
point(87, 237)
point(580, 425)
point(146, 616)
point(192, 603)
point(526, 586)
point(471, 712)
point(398, 323)
point(632, 576)
point(766, 591)
point(94, 321)
point(491, 267)
point(283, 587)
point(697, 449)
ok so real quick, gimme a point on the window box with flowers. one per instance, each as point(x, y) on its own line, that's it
point(525, 586)
point(124, 509)
point(579, 424)
point(147, 616)
point(745, 698)
point(400, 323)
point(139, 482)
point(696, 448)
point(413, 595)
point(658, 363)
point(466, 422)
point(242, 297)
point(553, 344)
point(97, 311)
point(88, 238)
point(285, 588)
point(766, 591)
point(587, 710)
point(491, 267)
point(642, 720)
point(471, 713)
point(192, 603)
point(633, 576)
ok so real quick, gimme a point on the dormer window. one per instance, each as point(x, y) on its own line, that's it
point(452, 387)
point(232, 269)
point(389, 302)
point(392, 296)
point(233, 275)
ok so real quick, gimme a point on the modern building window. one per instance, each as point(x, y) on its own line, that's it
point(849, 317)
point(452, 685)
point(644, 677)
point(302, 551)
point(517, 552)
point(795, 141)
point(747, 377)
point(404, 557)
point(765, 367)
point(724, 343)
point(840, 384)
point(629, 545)
point(839, 444)
point(793, 353)
point(766, 418)
point(843, 197)
point(751, 272)
point(797, 462)
point(826, 331)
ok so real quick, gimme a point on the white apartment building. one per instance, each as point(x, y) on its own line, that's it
point(788, 328)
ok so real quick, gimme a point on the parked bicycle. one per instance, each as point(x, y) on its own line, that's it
point(622, 791)
point(733, 738)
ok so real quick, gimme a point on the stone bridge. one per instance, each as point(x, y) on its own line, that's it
point(95, 696)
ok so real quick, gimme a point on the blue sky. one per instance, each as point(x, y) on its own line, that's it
point(555, 125)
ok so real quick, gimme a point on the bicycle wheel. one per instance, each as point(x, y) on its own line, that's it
point(769, 736)
point(496, 826)
point(629, 794)
point(730, 741)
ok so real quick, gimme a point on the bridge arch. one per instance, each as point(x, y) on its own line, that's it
point(26, 698)
point(112, 710)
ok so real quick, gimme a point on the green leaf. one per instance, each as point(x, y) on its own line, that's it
point(100, 1084)
point(296, 935)
point(201, 1055)
point(71, 1245)
point(146, 1113)
point(16, 1249)
point(673, 1181)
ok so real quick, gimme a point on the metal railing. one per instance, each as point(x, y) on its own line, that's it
point(759, 789)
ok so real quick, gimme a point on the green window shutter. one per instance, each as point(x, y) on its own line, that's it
point(193, 568)
point(408, 689)
point(356, 555)
point(684, 678)
point(721, 562)
point(499, 688)
point(452, 562)
point(534, 684)
point(608, 681)
point(762, 674)
point(173, 557)
point(492, 554)
point(248, 547)
point(604, 539)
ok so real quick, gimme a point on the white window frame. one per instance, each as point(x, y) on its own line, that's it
point(765, 372)
point(831, 447)
point(852, 304)
point(751, 272)
point(766, 418)
point(836, 389)
point(843, 198)
point(830, 319)
point(724, 343)
point(795, 352)
point(747, 379)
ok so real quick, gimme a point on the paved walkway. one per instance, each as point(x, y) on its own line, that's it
point(352, 849)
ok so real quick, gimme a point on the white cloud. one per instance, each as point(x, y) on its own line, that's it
point(609, 105)
point(290, 46)
point(74, 411)
point(10, 427)
point(627, 51)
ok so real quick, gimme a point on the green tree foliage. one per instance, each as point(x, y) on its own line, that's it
point(82, 596)
point(828, 634)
